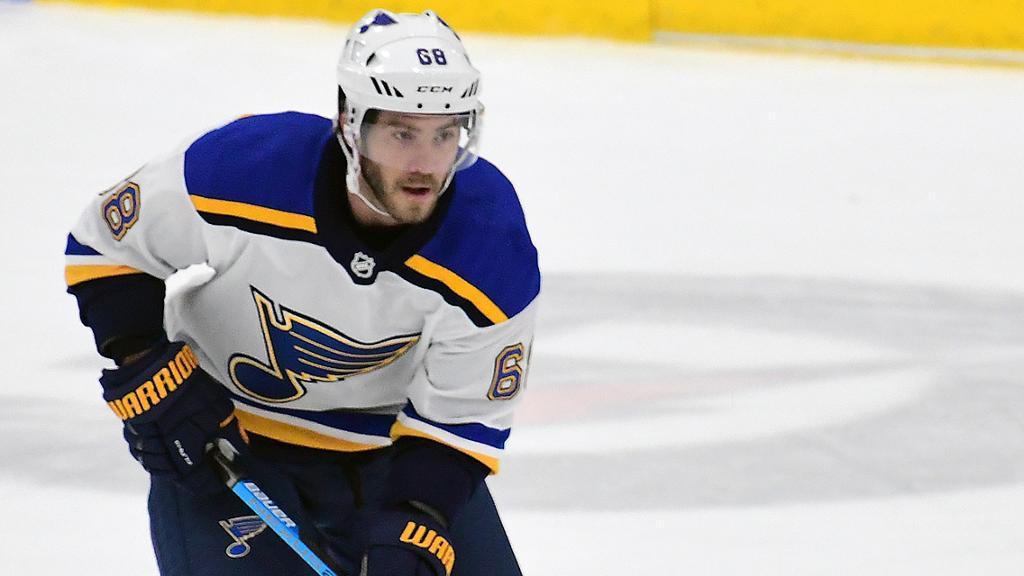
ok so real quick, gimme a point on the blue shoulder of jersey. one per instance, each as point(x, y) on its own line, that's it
point(482, 251)
point(259, 172)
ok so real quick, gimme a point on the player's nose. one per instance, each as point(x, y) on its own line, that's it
point(426, 161)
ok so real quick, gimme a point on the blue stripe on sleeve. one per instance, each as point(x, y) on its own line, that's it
point(76, 248)
point(472, 431)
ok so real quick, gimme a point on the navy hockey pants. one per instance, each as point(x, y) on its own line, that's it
point(219, 536)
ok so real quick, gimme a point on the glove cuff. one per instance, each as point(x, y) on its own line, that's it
point(434, 474)
point(146, 388)
point(416, 533)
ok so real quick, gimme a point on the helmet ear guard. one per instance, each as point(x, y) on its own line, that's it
point(408, 64)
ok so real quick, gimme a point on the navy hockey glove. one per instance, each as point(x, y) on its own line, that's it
point(171, 409)
point(407, 543)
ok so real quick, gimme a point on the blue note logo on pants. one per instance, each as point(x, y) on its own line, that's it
point(241, 529)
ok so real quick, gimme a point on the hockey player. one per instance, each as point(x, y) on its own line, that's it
point(364, 335)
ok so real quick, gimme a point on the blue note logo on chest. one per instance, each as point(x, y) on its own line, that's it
point(301, 351)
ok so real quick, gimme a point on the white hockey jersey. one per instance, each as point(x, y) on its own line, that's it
point(322, 340)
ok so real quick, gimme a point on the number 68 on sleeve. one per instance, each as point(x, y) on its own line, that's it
point(509, 372)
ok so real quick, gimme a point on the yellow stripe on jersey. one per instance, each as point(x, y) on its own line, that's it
point(458, 285)
point(78, 273)
point(398, 430)
point(253, 212)
point(292, 434)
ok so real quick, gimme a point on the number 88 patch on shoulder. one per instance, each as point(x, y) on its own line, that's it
point(121, 209)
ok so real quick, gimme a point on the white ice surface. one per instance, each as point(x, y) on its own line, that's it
point(630, 159)
point(962, 534)
point(748, 415)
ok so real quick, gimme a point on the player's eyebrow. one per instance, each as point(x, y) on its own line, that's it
point(401, 124)
point(398, 123)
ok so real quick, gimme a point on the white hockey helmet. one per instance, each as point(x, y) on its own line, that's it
point(407, 63)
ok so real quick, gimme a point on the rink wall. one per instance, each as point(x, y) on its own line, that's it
point(986, 24)
point(629, 20)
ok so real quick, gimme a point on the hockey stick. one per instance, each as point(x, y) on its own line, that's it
point(223, 458)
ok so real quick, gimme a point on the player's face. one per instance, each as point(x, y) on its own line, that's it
point(406, 159)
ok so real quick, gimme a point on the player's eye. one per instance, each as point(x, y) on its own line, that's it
point(403, 135)
point(445, 135)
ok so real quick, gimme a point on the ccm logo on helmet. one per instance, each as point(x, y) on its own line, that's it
point(434, 89)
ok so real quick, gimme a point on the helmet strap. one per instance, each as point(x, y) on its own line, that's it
point(354, 169)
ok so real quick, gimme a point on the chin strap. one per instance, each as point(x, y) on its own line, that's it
point(352, 174)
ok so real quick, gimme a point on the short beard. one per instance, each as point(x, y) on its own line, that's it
point(379, 192)
point(373, 179)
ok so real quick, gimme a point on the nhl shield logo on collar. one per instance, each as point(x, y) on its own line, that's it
point(362, 265)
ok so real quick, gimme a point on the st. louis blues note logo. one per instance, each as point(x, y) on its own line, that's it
point(241, 529)
point(301, 351)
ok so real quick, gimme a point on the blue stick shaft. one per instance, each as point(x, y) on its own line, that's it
point(223, 457)
point(280, 523)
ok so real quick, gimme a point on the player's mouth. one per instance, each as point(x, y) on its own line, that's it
point(417, 191)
